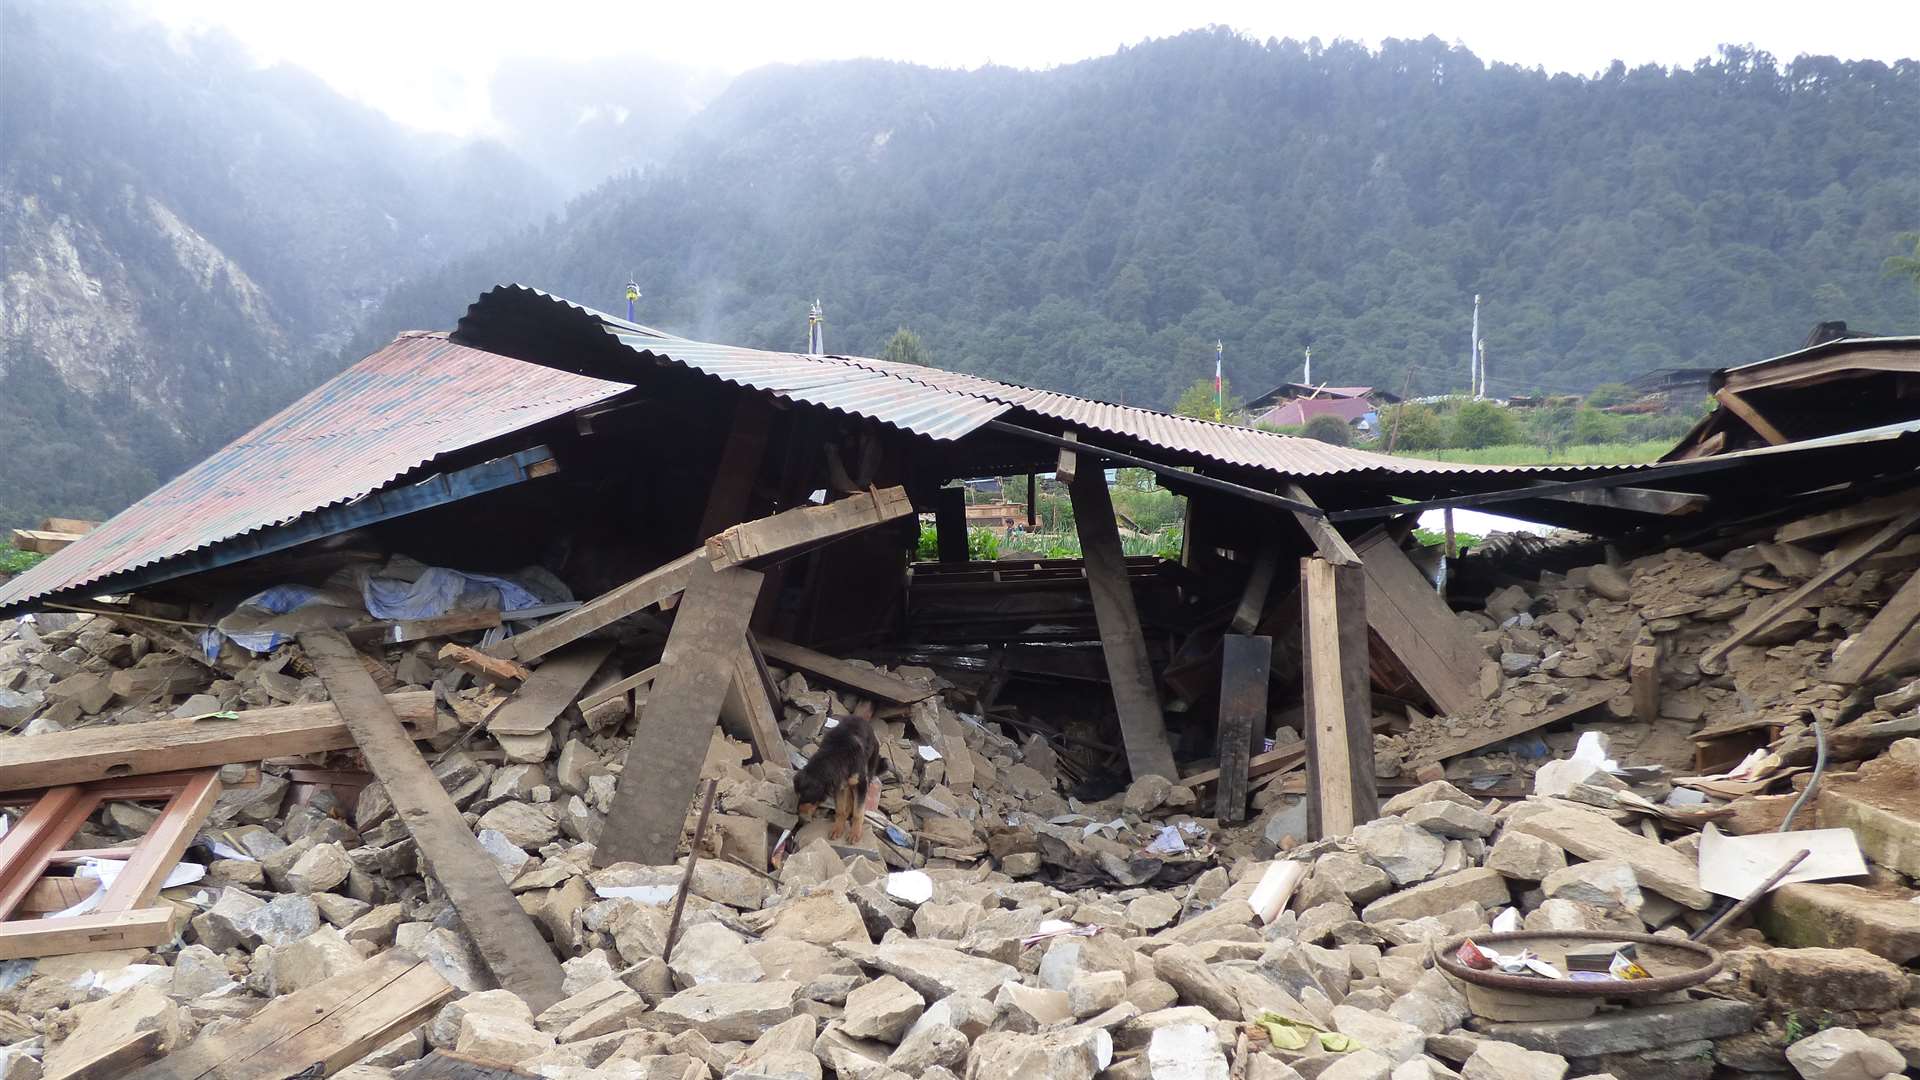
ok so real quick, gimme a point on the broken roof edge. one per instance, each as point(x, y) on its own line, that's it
point(527, 323)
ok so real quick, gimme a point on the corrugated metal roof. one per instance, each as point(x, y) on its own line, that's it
point(523, 322)
point(402, 407)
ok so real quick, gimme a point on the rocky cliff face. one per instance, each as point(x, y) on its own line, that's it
point(186, 240)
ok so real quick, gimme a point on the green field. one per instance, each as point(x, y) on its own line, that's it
point(1623, 453)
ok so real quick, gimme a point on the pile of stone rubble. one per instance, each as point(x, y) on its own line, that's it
point(990, 924)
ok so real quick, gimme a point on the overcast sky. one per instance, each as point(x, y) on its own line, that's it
point(428, 62)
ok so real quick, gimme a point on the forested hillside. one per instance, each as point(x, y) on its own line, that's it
point(183, 233)
point(1098, 227)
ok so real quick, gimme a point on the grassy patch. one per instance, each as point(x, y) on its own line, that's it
point(1626, 453)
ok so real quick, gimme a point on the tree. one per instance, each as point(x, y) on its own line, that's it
point(1198, 400)
point(904, 347)
point(1329, 429)
point(1482, 423)
point(1905, 266)
point(1412, 427)
point(1610, 393)
point(1591, 426)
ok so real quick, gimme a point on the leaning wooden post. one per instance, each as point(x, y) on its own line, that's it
point(1337, 697)
point(1142, 728)
point(1244, 663)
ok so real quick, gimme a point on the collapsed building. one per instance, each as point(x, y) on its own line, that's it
point(438, 673)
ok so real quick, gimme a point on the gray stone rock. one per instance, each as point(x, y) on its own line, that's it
point(935, 971)
point(1476, 886)
point(1505, 1061)
point(1408, 855)
point(1524, 858)
point(883, 1009)
point(1381, 1033)
point(726, 1011)
point(524, 824)
point(1845, 1054)
point(711, 953)
point(1609, 885)
point(281, 921)
point(1450, 819)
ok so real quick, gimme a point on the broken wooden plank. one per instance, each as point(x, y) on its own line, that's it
point(159, 851)
point(613, 690)
point(1245, 661)
point(604, 610)
point(1287, 757)
point(869, 681)
point(663, 762)
point(748, 707)
point(1253, 597)
point(1475, 738)
point(142, 928)
point(1744, 409)
point(160, 746)
point(802, 527)
point(1326, 539)
point(401, 631)
point(1643, 672)
point(1846, 518)
point(113, 1062)
point(1857, 657)
point(325, 1027)
point(44, 541)
point(553, 686)
point(1143, 729)
point(507, 939)
point(488, 668)
point(1841, 560)
point(1637, 499)
point(1416, 625)
point(1338, 698)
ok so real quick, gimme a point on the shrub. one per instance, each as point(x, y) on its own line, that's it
point(1482, 423)
point(1329, 429)
point(1420, 428)
point(1610, 393)
point(1591, 426)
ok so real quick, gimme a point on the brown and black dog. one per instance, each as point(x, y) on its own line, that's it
point(846, 765)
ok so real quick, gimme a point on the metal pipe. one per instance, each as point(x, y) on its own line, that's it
point(1819, 767)
point(1165, 472)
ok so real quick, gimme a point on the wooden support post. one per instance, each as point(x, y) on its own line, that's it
point(749, 709)
point(1068, 465)
point(874, 684)
point(1338, 698)
point(1447, 515)
point(1244, 667)
point(663, 762)
point(1643, 671)
point(792, 531)
point(159, 746)
point(1744, 409)
point(731, 494)
point(1142, 727)
point(1253, 598)
point(950, 523)
point(1326, 539)
point(1033, 502)
point(1856, 660)
point(609, 607)
point(508, 941)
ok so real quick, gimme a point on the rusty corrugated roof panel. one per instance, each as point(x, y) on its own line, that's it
point(402, 407)
point(520, 321)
